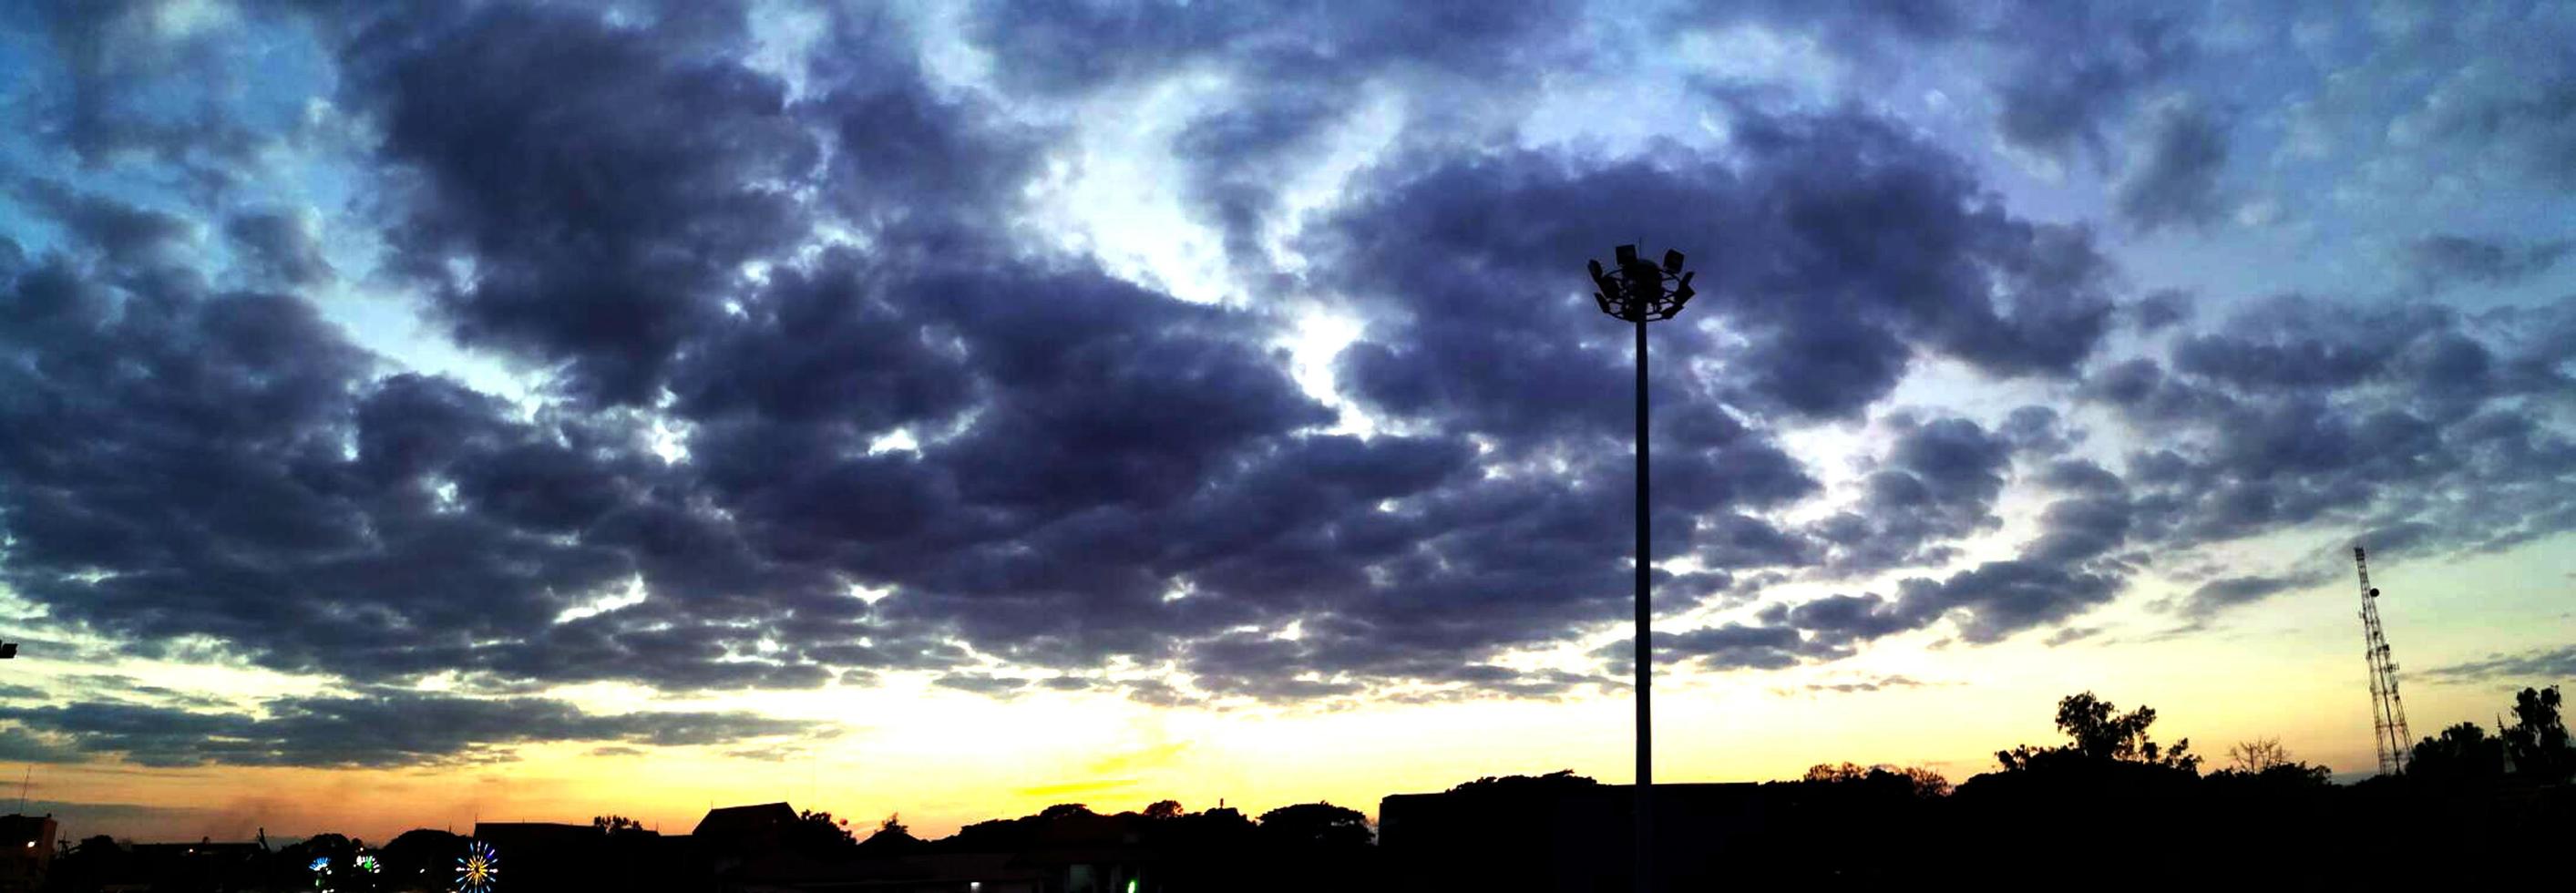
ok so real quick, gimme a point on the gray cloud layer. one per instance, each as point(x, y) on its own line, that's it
point(1104, 474)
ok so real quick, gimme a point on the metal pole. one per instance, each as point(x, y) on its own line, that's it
point(1644, 654)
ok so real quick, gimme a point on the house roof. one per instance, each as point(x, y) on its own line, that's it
point(737, 821)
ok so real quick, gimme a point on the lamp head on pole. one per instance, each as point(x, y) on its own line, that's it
point(1637, 290)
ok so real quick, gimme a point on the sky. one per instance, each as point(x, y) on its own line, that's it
point(419, 413)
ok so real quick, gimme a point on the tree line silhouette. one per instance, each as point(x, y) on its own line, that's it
point(2109, 805)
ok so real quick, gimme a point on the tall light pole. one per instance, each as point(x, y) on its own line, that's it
point(1640, 292)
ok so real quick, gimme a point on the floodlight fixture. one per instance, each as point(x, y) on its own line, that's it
point(1638, 291)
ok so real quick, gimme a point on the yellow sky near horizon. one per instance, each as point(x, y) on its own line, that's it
point(2288, 667)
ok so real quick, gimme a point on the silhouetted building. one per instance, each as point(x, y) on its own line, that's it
point(557, 856)
point(742, 831)
point(919, 873)
point(1565, 838)
point(26, 851)
point(204, 865)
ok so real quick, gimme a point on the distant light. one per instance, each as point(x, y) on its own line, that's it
point(1131, 885)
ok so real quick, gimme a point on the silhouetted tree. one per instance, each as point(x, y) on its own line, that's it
point(1916, 780)
point(2462, 753)
point(1558, 781)
point(422, 858)
point(818, 834)
point(1927, 783)
point(1065, 810)
point(1163, 809)
point(890, 839)
point(2537, 740)
point(2263, 764)
point(2252, 757)
point(616, 824)
point(1320, 825)
point(2102, 733)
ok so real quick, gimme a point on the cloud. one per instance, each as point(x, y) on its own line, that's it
point(2077, 67)
point(2162, 309)
point(132, 82)
point(632, 190)
point(2172, 176)
point(810, 400)
point(373, 731)
point(2217, 595)
point(2504, 104)
point(144, 241)
point(2070, 635)
point(1937, 486)
point(279, 247)
point(1866, 684)
point(1074, 462)
point(2405, 421)
point(2447, 259)
point(18, 746)
point(1998, 598)
point(2543, 666)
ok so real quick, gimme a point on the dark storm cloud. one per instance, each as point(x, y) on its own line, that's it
point(2077, 66)
point(2162, 309)
point(2217, 595)
point(1024, 458)
point(1999, 598)
point(1937, 486)
point(1239, 156)
point(2542, 666)
point(1081, 458)
point(128, 82)
point(1302, 67)
point(188, 463)
point(1849, 247)
point(18, 746)
point(2039, 431)
point(2410, 426)
point(594, 223)
point(278, 248)
point(2172, 178)
point(382, 731)
point(129, 238)
point(2518, 114)
point(1056, 47)
point(2069, 72)
point(2049, 584)
point(2445, 259)
point(1731, 646)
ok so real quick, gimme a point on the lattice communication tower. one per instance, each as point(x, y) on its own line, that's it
point(2388, 710)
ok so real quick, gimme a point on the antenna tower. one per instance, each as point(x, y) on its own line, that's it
point(2388, 710)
